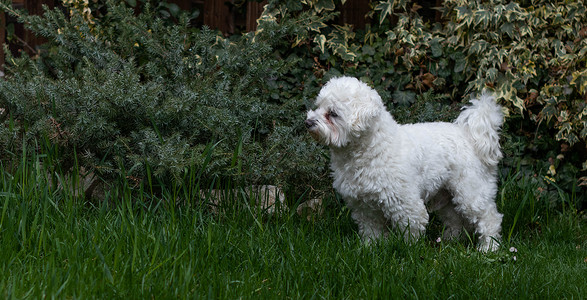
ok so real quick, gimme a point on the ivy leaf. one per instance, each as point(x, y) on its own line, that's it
point(316, 23)
point(368, 50)
point(344, 53)
point(478, 46)
point(565, 133)
point(491, 74)
point(386, 8)
point(579, 78)
point(391, 36)
point(482, 17)
point(436, 48)
point(507, 28)
point(559, 48)
point(519, 103)
point(321, 41)
point(526, 30)
point(403, 97)
point(464, 13)
point(460, 65)
point(324, 5)
point(174, 10)
point(548, 112)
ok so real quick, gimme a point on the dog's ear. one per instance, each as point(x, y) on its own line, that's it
point(366, 110)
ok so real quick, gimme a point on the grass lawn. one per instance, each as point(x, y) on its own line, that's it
point(53, 245)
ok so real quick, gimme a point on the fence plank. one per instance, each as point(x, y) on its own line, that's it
point(254, 11)
point(2, 38)
point(353, 12)
point(217, 15)
point(35, 7)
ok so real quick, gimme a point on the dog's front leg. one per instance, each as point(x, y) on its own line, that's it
point(407, 217)
point(372, 224)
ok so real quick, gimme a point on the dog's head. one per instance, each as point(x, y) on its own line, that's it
point(345, 107)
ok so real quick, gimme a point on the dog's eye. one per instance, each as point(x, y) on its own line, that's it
point(332, 114)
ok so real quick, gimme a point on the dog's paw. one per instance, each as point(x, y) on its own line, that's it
point(488, 244)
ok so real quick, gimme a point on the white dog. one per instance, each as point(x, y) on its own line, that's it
point(387, 173)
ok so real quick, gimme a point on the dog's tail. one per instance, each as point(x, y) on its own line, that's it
point(482, 122)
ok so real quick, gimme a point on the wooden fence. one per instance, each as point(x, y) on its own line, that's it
point(217, 14)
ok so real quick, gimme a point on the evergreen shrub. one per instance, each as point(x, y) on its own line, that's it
point(132, 95)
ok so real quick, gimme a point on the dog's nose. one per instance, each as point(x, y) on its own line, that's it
point(310, 123)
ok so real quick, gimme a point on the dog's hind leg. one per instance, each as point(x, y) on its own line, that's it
point(475, 202)
point(453, 222)
point(488, 227)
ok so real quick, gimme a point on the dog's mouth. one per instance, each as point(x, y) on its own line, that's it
point(316, 136)
point(312, 127)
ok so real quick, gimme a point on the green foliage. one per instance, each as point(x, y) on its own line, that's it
point(314, 15)
point(129, 94)
point(154, 94)
point(531, 54)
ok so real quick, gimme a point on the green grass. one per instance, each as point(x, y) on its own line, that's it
point(54, 245)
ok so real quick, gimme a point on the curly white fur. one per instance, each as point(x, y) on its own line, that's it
point(388, 173)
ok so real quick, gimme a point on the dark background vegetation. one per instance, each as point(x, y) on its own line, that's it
point(140, 90)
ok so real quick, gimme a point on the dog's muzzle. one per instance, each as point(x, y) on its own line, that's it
point(312, 127)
